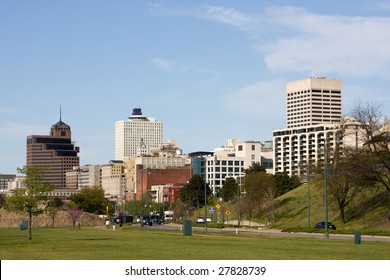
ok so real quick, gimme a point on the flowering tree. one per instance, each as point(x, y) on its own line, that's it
point(74, 215)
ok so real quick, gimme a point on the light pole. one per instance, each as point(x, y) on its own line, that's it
point(124, 206)
point(325, 191)
point(205, 205)
point(142, 197)
point(133, 210)
point(215, 216)
point(239, 206)
point(308, 192)
point(308, 188)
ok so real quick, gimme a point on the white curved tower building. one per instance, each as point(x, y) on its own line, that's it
point(137, 135)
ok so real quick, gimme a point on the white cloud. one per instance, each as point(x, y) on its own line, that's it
point(292, 39)
point(162, 64)
point(264, 99)
point(351, 46)
point(227, 15)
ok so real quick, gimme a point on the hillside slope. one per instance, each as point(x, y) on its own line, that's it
point(367, 212)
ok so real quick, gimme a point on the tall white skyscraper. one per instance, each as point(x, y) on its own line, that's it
point(313, 115)
point(313, 101)
point(137, 135)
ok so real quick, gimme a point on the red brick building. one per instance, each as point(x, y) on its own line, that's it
point(146, 178)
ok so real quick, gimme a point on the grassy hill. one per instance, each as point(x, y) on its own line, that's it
point(367, 212)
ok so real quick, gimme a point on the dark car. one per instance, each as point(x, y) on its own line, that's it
point(146, 220)
point(157, 219)
point(323, 225)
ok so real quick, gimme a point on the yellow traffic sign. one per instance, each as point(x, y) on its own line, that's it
point(227, 213)
point(218, 206)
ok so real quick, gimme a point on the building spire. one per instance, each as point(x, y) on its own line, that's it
point(60, 114)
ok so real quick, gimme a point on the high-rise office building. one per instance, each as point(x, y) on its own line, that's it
point(137, 135)
point(56, 151)
point(313, 101)
point(313, 119)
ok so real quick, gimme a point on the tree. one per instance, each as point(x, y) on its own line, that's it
point(229, 190)
point(256, 167)
point(193, 192)
point(91, 200)
point(373, 164)
point(260, 190)
point(75, 214)
point(31, 198)
point(342, 185)
point(285, 183)
point(53, 207)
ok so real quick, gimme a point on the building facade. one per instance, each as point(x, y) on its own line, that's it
point(315, 126)
point(5, 182)
point(137, 135)
point(229, 161)
point(297, 151)
point(313, 101)
point(84, 176)
point(113, 179)
point(56, 151)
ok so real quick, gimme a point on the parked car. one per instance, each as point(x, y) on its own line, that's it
point(323, 225)
point(157, 219)
point(200, 220)
point(146, 220)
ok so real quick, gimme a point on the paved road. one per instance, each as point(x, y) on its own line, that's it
point(268, 232)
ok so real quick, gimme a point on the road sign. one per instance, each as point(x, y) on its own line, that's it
point(218, 206)
point(211, 211)
point(227, 213)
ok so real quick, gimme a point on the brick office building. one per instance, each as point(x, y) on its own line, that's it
point(148, 177)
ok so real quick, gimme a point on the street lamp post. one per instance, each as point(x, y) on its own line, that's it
point(239, 206)
point(142, 198)
point(205, 205)
point(215, 215)
point(325, 188)
point(133, 210)
point(308, 193)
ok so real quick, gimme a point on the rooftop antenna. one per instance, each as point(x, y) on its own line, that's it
point(60, 114)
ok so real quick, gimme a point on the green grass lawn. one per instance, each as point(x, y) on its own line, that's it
point(134, 243)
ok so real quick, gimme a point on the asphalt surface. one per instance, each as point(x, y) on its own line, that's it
point(272, 232)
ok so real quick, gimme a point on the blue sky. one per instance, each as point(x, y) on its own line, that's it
point(209, 70)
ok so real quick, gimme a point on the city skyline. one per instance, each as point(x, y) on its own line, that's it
point(208, 70)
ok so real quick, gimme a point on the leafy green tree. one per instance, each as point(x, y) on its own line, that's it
point(52, 208)
point(259, 191)
point(285, 182)
point(256, 167)
point(91, 200)
point(31, 198)
point(3, 202)
point(229, 190)
point(193, 192)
